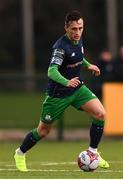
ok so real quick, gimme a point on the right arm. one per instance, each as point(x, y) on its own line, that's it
point(56, 76)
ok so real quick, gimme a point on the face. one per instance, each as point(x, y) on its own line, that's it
point(74, 30)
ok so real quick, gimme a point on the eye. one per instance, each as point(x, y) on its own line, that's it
point(74, 29)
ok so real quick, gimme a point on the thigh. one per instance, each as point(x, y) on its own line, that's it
point(94, 107)
point(82, 96)
point(53, 108)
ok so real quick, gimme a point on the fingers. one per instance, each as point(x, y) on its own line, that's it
point(96, 72)
point(74, 82)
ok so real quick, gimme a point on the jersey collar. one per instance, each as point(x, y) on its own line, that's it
point(73, 42)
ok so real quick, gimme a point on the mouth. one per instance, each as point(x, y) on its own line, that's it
point(77, 37)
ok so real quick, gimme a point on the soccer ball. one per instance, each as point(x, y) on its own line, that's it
point(88, 161)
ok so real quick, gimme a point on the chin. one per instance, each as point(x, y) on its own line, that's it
point(76, 39)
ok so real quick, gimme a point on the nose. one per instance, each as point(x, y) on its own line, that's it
point(77, 31)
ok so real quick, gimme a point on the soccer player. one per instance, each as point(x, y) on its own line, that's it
point(65, 88)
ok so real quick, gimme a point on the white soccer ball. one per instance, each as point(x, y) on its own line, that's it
point(88, 161)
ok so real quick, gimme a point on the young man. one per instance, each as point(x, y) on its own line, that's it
point(66, 88)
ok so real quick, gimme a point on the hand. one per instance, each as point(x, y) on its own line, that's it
point(95, 70)
point(74, 82)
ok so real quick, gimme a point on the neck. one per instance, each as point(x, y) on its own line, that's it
point(73, 42)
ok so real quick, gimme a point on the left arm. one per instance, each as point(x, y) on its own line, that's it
point(95, 70)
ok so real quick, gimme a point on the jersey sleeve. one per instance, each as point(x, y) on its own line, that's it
point(55, 75)
point(85, 63)
point(57, 56)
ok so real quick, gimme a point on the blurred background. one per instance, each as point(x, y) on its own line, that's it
point(28, 29)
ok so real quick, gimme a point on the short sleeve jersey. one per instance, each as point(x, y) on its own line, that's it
point(68, 57)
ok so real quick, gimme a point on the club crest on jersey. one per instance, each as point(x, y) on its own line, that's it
point(48, 117)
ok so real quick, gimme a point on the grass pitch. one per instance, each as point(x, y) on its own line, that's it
point(22, 110)
point(58, 160)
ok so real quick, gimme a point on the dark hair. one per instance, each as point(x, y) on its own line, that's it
point(72, 16)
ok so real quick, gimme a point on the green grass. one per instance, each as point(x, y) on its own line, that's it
point(19, 110)
point(49, 156)
point(22, 110)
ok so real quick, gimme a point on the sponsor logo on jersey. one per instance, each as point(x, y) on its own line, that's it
point(74, 65)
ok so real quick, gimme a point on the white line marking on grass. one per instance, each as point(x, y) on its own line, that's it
point(9, 165)
point(53, 163)
point(64, 170)
point(71, 162)
point(3, 169)
point(57, 163)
